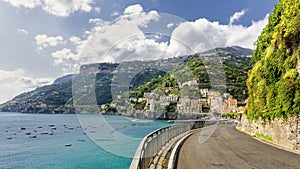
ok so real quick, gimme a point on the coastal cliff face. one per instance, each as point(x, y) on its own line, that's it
point(57, 98)
point(273, 105)
point(274, 81)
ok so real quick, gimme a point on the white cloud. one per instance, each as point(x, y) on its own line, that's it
point(236, 16)
point(68, 59)
point(97, 9)
point(60, 8)
point(124, 39)
point(66, 7)
point(42, 40)
point(105, 35)
point(75, 40)
point(16, 82)
point(170, 25)
point(116, 13)
point(97, 21)
point(134, 9)
point(202, 34)
point(25, 3)
point(22, 31)
point(64, 55)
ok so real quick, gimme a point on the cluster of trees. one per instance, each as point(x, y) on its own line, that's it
point(273, 82)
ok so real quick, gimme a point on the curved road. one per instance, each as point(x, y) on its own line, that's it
point(230, 149)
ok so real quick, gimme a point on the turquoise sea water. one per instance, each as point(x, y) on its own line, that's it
point(97, 142)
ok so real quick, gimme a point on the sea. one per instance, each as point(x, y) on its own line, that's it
point(70, 141)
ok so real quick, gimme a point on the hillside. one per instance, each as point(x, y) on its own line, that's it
point(57, 98)
point(274, 83)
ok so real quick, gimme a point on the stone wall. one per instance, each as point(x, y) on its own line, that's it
point(284, 132)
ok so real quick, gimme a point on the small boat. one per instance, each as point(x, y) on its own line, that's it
point(23, 128)
point(51, 125)
point(81, 139)
point(53, 128)
point(8, 138)
point(70, 128)
point(28, 133)
point(39, 127)
point(68, 145)
point(44, 132)
point(32, 136)
point(50, 133)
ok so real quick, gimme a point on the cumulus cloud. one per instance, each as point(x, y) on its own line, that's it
point(125, 29)
point(97, 9)
point(22, 31)
point(236, 16)
point(124, 39)
point(116, 13)
point(170, 25)
point(97, 21)
point(24, 3)
point(43, 41)
point(64, 55)
point(124, 35)
point(202, 34)
point(16, 81)
point(60, 8)
point(134, 9)
point(70, 58)
point(66, 7)
point(75, 40)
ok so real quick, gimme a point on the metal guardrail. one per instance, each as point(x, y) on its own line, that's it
point(154, 142)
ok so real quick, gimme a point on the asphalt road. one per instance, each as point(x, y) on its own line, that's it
point(230, 149)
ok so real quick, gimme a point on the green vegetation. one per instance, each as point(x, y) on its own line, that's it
point(155, 84)
point(145, 76)
point(263, 137)
point(171, 108)
point(57, 97)
point(273, 82)
point(103, 91)
point(235, 64)
point(232, 115)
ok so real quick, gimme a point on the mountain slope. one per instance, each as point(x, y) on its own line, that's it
point(274, 83)
point(57, 98)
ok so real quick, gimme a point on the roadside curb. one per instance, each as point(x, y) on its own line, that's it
point(174, 153)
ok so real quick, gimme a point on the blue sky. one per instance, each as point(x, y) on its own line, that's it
point(44, 39)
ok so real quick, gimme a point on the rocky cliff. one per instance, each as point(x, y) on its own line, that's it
point(57, 98)
point(273, 105)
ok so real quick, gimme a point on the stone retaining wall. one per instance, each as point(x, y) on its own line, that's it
point(284, 132)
